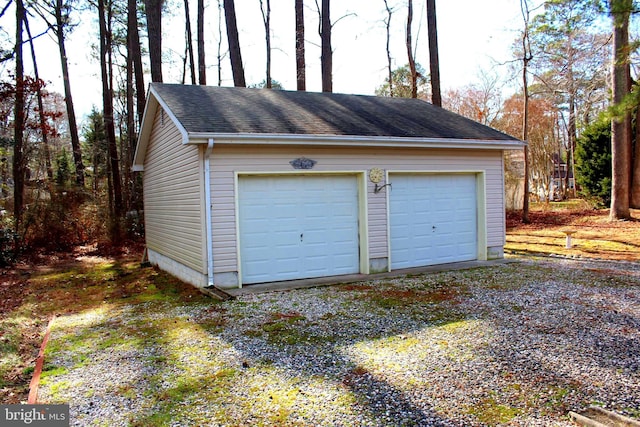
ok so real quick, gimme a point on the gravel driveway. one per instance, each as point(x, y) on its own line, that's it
point(513, 344)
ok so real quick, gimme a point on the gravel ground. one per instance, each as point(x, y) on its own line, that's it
point(513, 344)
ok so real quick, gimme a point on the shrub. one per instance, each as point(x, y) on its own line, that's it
point(593, 162)
point(7, 246)
point(66, 219)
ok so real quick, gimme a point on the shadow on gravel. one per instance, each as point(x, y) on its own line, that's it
point(541, 344)
point(388, 405)
point(568, 344)
point(303, 348)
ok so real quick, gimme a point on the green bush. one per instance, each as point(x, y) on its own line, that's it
point(593, 162)
point(7, 246)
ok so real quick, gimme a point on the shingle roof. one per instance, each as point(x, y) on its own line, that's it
point(231, 110)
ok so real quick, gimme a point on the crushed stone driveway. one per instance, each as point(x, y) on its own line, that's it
point(513, 344)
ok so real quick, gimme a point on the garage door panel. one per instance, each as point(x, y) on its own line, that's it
point(316, 251)
point(433, 219)
point(297, 227)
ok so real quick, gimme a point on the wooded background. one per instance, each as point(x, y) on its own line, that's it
point(65, 183)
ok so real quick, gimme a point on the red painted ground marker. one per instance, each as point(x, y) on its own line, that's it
point(35, 380)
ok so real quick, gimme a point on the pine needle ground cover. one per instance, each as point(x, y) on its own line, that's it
point(595, 236)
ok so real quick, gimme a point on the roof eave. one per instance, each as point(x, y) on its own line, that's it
point(355, 140)
point(154, 100)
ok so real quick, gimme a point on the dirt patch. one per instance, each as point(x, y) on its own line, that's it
point(13, 286)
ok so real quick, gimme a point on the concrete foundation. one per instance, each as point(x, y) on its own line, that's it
point(181, 271)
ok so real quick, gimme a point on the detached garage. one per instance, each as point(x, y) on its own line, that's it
point(245, 186)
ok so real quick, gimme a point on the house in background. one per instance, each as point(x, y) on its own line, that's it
point(560, 181)
point(514, 179)
point(246, 186)
point(551, 186)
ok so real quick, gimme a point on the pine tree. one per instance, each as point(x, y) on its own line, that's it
point(593, 162)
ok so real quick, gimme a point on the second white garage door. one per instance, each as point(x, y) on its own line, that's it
point(294, 227)
point(433, 219)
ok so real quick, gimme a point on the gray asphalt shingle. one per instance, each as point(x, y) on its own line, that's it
point(231, 110)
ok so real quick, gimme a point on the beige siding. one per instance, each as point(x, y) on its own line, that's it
point(173, 196)
point(230, 159)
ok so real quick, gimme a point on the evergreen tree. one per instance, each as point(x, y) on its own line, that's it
point(263, 85)
point(96, 148)
point(402, 84)
point(63, 168)
point(593, 161)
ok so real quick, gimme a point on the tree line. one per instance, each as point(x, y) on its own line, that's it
point(63, 183)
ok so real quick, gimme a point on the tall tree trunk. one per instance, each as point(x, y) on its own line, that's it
point(153, 10)
point(387, 23)
point(571, 142)
point(184, 64)
point(113, 229)
point(107, 102)
point(131, 129)
point(525, 136)
point(620, 136)
point(573, 129)
point(123, 151)
point(61, 22)
point(187, 30)
point(434, 61)
point(301, 82)
point(94, 158)
point(18, 145)
point(43, 121)
point(136, 56)
point(219, 50)
point(526, 58)
point(326, 58)
point(234, 44)
point(635, 173)
point(202, 68)
point(112, 140)
point(409, 43)
point(266, 19)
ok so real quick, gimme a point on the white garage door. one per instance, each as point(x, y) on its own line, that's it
point(433, 219)
point(294, 227)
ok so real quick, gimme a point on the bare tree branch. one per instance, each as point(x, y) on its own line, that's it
point(387, 23)
point(4, 9)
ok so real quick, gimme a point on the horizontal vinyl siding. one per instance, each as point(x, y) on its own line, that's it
point(495, 211)
point(377, 212)
point(230, 159)
point(173, 205)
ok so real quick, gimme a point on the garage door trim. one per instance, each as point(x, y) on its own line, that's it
point(361, 184)
point(481, 205)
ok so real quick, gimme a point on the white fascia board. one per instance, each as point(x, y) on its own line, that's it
point(181, 129)
point(358, 141)
point(143, 136)
point(153, 101)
